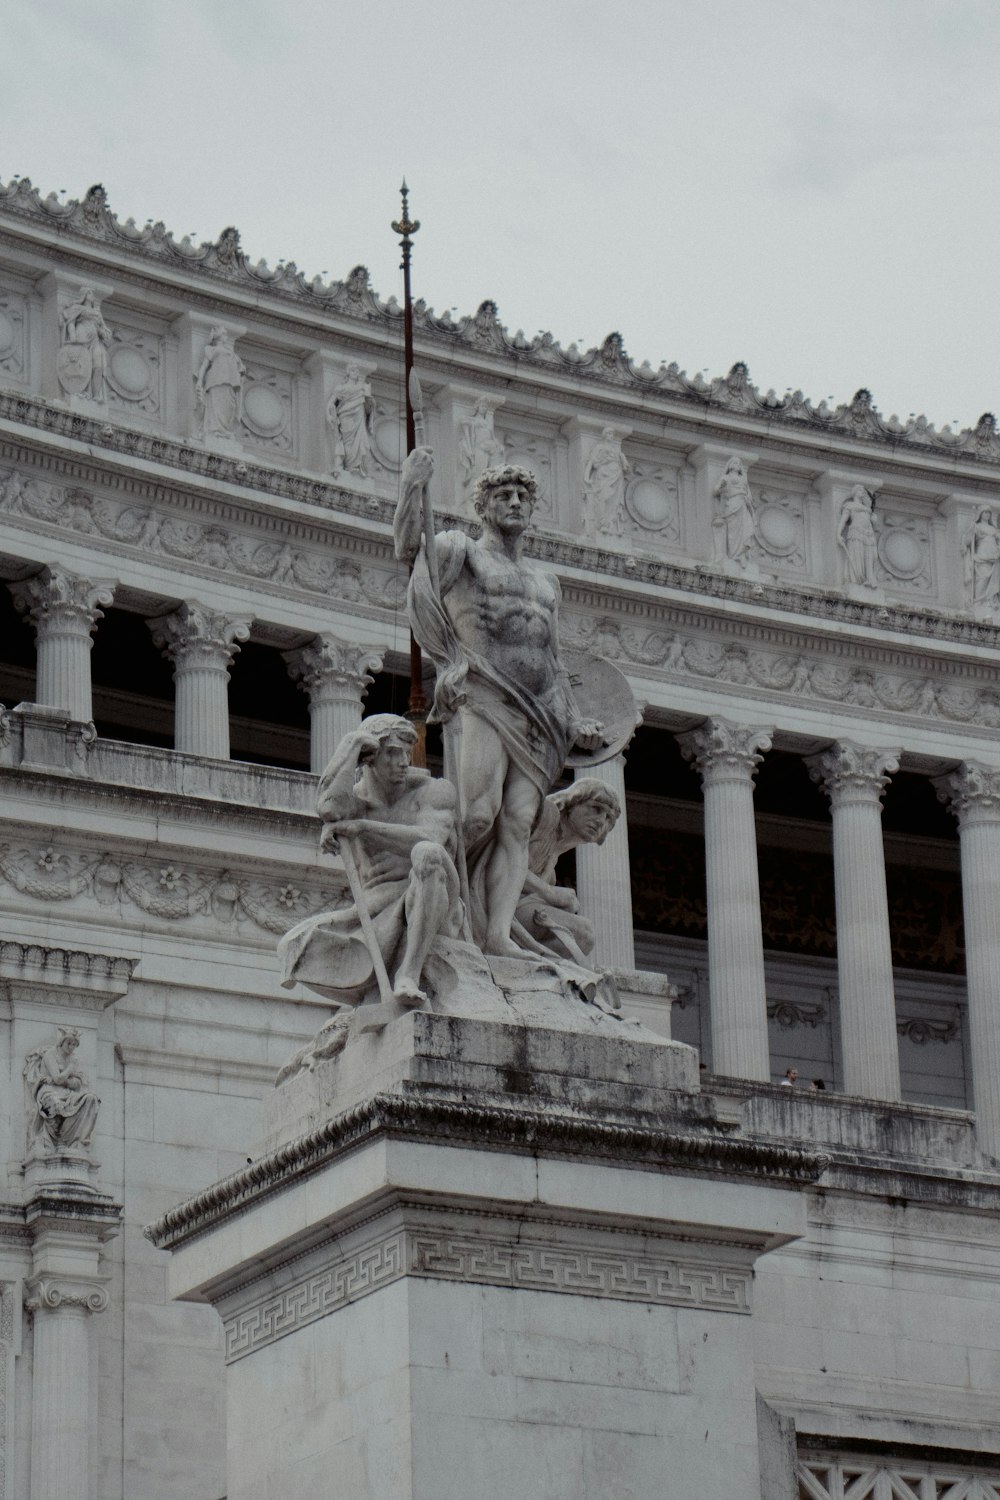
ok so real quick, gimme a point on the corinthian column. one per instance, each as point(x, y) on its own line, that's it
point(973, 793)
point(604, 879)
point(64, 609)
point(336, 677)
point(854, 778)
point(201, 644)
point(61, 1382)
point(727, 756)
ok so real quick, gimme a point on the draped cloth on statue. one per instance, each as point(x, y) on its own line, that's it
point(534, 731)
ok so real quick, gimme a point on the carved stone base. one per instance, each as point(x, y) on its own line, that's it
point(59, 1171)
point(495, 1260)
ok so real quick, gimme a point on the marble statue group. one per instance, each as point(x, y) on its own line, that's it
point(469, 857)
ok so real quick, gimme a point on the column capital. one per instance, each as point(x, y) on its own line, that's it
point(196, 636)
point(84, 1293)
point(724, 751)
point(329, 668)
point(972, 792)
point(58, 602)
point(853, 773)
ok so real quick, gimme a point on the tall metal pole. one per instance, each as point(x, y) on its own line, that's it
point(406, 228)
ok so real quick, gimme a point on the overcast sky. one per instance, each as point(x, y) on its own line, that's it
point(810, 187)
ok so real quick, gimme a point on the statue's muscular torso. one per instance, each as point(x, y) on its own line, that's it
point(506, 612)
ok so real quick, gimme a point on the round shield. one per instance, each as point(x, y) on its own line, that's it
point(602, 693)
point(74, 366)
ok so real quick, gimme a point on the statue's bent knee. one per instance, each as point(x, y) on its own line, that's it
point(429, 860)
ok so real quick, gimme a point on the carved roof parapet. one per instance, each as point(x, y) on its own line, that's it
point(224, 260)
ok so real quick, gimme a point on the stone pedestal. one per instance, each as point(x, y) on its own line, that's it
point(441, 1280)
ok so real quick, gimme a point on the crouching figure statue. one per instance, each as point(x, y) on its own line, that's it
point(395, 828)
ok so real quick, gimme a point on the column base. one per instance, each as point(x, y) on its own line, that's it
point(497, 1259)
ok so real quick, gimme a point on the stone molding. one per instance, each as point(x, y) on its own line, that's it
point(64, 965)
point(170, 890)
point(724, 751)
point(224, 263)
point(83, 514)
point(503, 1257)
point(513, 1129)
point(58, 602)
point(50, 1293)
point(329, 668)
point(788, 1014)
point(972, 792)
point(10, 1307)
point(851, 773)
point(827, 1476)
point(194, 636)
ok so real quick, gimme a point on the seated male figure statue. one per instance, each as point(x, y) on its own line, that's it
point(401, 828)
point(491, 629)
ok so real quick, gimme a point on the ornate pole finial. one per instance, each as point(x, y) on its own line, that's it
point(403, 226)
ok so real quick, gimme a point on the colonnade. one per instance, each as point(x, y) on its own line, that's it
point(201, 643)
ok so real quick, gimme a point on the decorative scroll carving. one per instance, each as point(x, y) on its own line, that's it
point(51, 1292)
point(972, 792)
point(922, 1029)
point(722, 749)
point(171, 892)
point(193, 635)
point(58, 602)
point(788, 1014)
point(853, 773)
point(329, 667)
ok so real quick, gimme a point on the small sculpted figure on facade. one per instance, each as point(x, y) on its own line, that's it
point(734, 521)
point(63, 1108)
point(480, 448)
point(219, 385)
point(489, 621)
point(982, 560)
point(349, 414)
point(400, 832)
point(604, 476)
point(857, 535)
point(82, 361)
point(548, 913)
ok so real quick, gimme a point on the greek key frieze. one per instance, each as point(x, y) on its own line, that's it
point(527, 1265)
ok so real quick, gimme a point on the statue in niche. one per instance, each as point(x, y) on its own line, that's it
point(82, 360)
point(219, 385)
point(349, 414)
point(549, 914)
point(857, 535)
point(982, 560)
point(63, 1108)
point(604, 476)
point(488, 619)
point(479, 448)
point(734, 522)
point(395, 826)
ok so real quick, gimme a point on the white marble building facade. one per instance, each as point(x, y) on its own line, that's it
point(200, 457)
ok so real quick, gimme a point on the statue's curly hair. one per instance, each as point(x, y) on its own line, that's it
point(494, 479)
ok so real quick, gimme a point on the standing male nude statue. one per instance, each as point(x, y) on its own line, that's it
point(492, 632)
